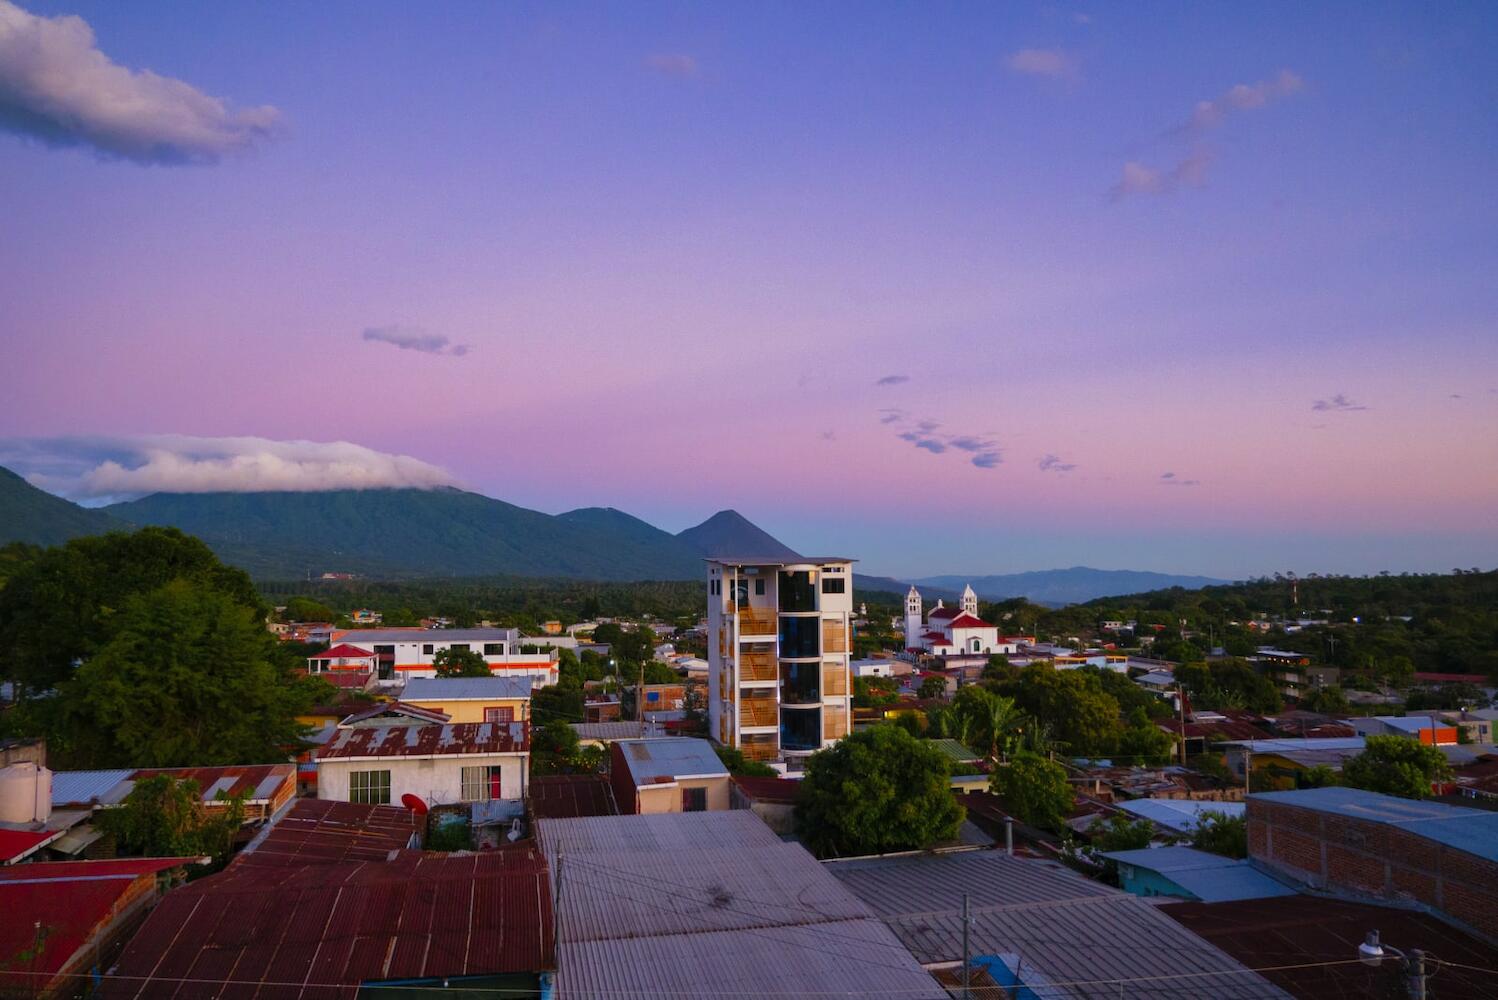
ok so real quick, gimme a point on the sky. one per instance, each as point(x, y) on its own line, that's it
point(948, 288)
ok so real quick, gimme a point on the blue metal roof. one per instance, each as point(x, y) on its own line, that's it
point(77, 787)
point(1209, 877)
point(465, 688)
point(1178, 815)
point(670, 757)
point(1472, 830)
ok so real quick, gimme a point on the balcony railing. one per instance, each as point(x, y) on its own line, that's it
point(834, 637)
point(759, 747)
point(757, 667)
point(834, 680)
point(756, 621)
point(758, 712)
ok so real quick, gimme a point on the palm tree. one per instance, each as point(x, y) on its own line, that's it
point(1003, 721)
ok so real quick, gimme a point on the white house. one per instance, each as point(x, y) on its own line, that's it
point(873, 668)
point(404, 653)
point(439, 764)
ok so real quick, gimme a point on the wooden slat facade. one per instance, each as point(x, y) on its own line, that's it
point(834, 637)
point(834, 680)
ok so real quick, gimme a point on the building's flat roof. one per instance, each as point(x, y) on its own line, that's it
point(432, 635)
point(667, 758)
point(317, 831)
point(1095, 940)
point(669, 832)
point(261, 782)
point(466, 688)
point(426, 741)
point(751, 560)
point(1474, 831)
point(1210, 877)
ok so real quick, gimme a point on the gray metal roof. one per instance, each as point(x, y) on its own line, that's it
point(1354, 743)
point(1474, 831)
point(608, 731)
point(70, 787)
point(1086, 939)
point(465, 688)
point(1178, 815)
point(670, 757)
point(923, 883)
point(664, 832)
point(847, 958)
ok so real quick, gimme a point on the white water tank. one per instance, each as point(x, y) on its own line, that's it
point(25, 793)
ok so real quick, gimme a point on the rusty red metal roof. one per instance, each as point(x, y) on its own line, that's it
point(429, 741)
point(342, 651)
point(71, 900)
point(319, 931)
point(567, 796)
point(259, 782)
point(317, 831)
point(400, 708)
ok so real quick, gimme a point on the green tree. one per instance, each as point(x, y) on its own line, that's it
point(932, 688)
point(1072, 703)
point(1319, 776)
point(657, 672)
point(871, 692)
point(733, 758)
point(1120, 833)
point(450, 662)
point(556, 702)
point(1326, 700)
point(305, 609)
point(1221, 834)
point(1395, 765)
point(190, 677)
point(1145, 743)
point(555, 748)
point(163, 817)
point(1034, 789)
point(876, 791)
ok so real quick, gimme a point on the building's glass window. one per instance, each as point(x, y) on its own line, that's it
point(506, 714)
point(800, 637)
point(427, 649)
point(741, 592)
point(369, 787)
point(801, 728)
point(834, 585)
point(759, 587)
point(481, 784)
point(494, 649)
point(694, 800)
point(801, 683)
point(459, 646)
point(796, 592)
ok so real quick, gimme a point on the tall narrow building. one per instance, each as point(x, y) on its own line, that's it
point(779, 640)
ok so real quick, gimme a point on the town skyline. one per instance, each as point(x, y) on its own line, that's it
point(1036, 288)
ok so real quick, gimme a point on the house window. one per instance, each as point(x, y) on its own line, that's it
point(494, 649)
point(459, 646)
point(834, 585)
point(499, 714)
point(482, 784)
point(427, 649)
point(369, 787)
point(759, 587)
point(741, 592)
point(694, 800)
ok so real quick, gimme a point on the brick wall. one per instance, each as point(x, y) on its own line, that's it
point(1374, 859)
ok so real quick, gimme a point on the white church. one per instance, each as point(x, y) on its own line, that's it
point(952, 633)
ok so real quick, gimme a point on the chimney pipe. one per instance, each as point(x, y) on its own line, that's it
point(1009, 836)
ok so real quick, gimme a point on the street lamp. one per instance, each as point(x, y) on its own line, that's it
point(1372, 952)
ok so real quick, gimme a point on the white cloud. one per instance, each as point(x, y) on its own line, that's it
point(116, 467)
point(58, 88)
point(1242, 97)
point(672, 64)
point(1042, 62)
point(1137, 178)
point(411, 338)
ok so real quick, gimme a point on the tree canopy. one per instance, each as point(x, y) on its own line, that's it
point(876, 791)
point(163, 817)
point(450, 662)
point(1396, 765)
point(1034, 789)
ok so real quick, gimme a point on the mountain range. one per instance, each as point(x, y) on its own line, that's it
point(452, 532)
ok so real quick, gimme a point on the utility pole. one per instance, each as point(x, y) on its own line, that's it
point(640, 696)
point(967, 920)
point(1181, 705)
point(1416, 969)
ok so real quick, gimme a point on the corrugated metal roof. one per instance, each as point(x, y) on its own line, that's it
point(606, 732)
point(670, 757)
point(923, 883)
point(262, 782)
point(1178, 815)
point(563, 796)
point(954, 750)
point(1083, 936)
point(669, 832)
point(849, 958)
point(1474, 831)
point(423, 741)
point(335, 926)
point(80, 787)
point(702, 889)
point(319, 831)
point(1209, 877)
point(432, 635)
point(466, 688)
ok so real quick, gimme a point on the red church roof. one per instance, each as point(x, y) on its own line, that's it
point(935, 635)
point(968, 621)
point(944, 612)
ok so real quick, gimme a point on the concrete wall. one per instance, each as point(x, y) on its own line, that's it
point(435, 781)
point(668, 798)
point(1374, 859)
point(473, 710)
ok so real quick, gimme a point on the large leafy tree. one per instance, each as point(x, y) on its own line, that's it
point(876, 791)
point(993, 723)
point(450, 662)
point(189, 676)
point(163, 817)
point(1034, 789)
point(1396, 765)
point(1072, 703)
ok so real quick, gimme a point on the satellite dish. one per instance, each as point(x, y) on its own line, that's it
point(414, 803)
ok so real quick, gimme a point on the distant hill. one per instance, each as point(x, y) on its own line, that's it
point(442, 532)
point(28, 514)
point(1067, 586)
point(729, 533)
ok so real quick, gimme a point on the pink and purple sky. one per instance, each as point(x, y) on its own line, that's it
point(946, 287)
